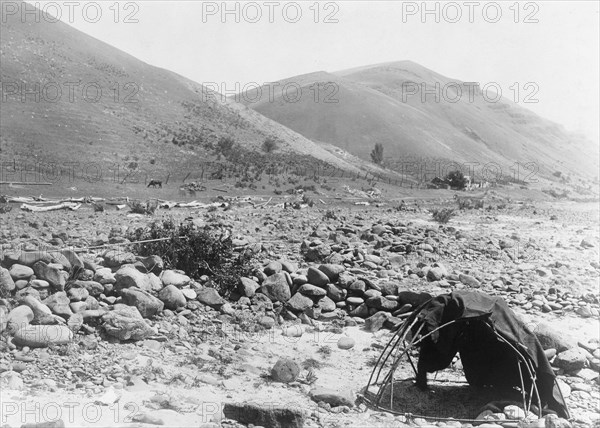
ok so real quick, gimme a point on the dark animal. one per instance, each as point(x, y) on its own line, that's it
point(155, 183)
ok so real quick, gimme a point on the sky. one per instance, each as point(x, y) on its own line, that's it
point(549, 50)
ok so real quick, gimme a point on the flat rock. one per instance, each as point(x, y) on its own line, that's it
point(332, 397)
point(171, 277)
point(549, 338)
point(265, 415)
point(41, 336)
point(210, 297)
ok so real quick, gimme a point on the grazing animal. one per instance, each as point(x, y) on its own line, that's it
point(155, 183)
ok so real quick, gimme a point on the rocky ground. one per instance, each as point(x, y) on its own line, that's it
point(133, 343)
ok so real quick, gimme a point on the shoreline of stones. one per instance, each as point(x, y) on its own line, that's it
point(117, 291)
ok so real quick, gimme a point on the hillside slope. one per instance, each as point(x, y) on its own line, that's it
point(92, 103)
point(374, 104)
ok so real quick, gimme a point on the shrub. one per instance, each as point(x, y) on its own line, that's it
point(443, 215)
point(196, 252)
point(148, 207)
point(98, 207)
point(456, 179)
point(377, 153)
point(269, 145)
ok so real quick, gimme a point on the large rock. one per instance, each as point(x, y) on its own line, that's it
point(375, 322)
point(18, 271)
point(265, 415)
point(104, 276)
point(332, 271)
point(469, 280)
point(299, 302)
point(74, 260)
point(550, 338)
point(41, 336)
point(285, 370)
point(335, 293)
point(276, 288)
point(78, 294)
point(126, 323)
point(153, 264)
point(248, 287)
point(333, 397)
point(317, 277)
point(59, 304)
point(146, 303)
point(41, 313)
point(171, 277)
point(115, 258)
point(128, 276)
point(7, 284)
point(210, 297)
point(312, 290)
point(19, 318)
point(570, 360)
point(172, 297)
point(93, 288)
point(412, 298)
point(48, 272)
point(381, 303)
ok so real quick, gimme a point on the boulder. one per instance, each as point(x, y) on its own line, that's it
point(7, 284)
point(276, 288)
point(128, 276)
point(153, 264)
point(171, 277)
point(570, 360)
point(41, 336)
point(172, 297)
point(312, 290)
point(126, 323)
point(550, 338)
point(19, 318)
point(332, 271)
point(299, 303)
point(116, 258)
point(285, 370)
point(18, 271)
point(146, 303)
point(104, 276)
point(93, 288)
point(41, 313)
point(59, 304)
point(49, 272)
point(375, 322)
point(210, 297)
point(317, 277)
point(247, 287)
point(265, 415)
point(333, 397)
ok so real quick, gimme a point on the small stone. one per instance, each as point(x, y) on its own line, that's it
point(345, 343)
point(285, 370)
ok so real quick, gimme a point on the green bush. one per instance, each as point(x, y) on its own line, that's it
point(196, 252)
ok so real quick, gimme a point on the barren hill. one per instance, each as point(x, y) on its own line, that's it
point(394, 104)
point(68, 97)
